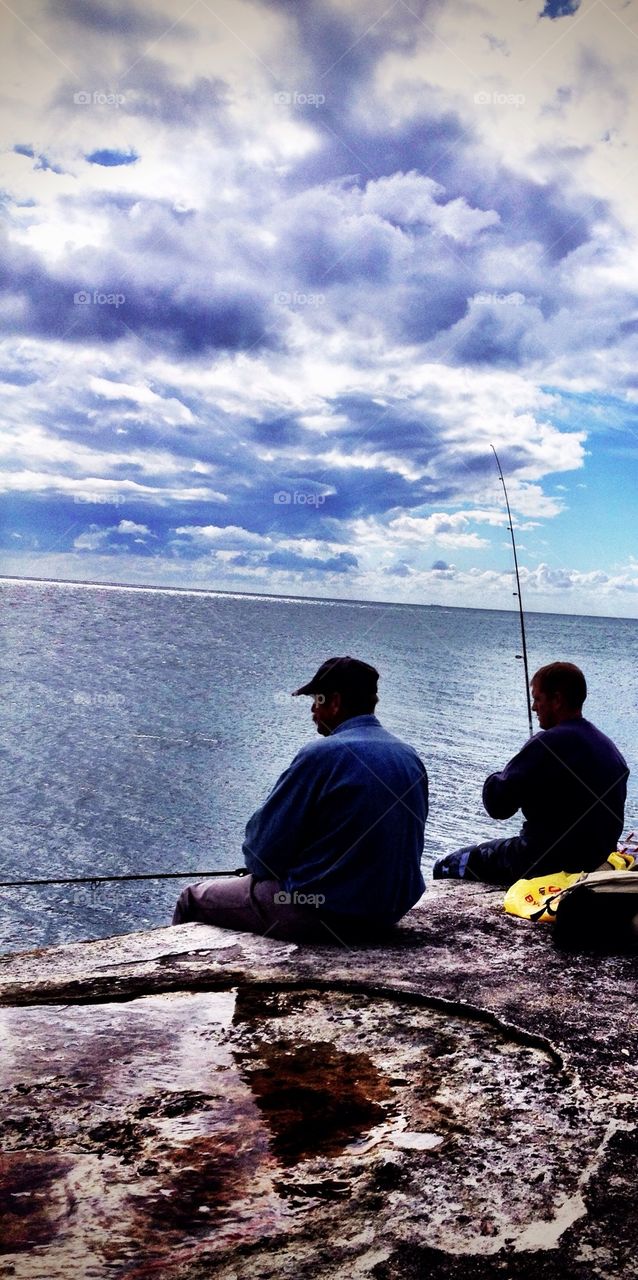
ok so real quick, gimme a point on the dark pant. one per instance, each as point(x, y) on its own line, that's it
point(262, 906)
point(494, 862)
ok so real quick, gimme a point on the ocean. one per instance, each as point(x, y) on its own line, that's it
point(142, 727)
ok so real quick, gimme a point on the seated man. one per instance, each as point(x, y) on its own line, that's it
point(570, 782)
point(335, 850)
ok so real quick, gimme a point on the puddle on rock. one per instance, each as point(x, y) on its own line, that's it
point(315, 1098)
point(191, 1126)
point(32, 1207)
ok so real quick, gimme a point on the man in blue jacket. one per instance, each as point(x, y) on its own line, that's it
point(570, 782)
point(335, 850)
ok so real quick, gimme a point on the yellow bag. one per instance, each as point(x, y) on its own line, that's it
point(533, 899)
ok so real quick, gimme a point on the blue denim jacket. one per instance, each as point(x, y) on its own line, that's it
point(345, 820)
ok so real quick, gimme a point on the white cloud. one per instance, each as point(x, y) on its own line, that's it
point(91, 540)
point(129, 526)
point(228, 536)
point(409, 199)
point(440, 529)
point(304, 304)
point(476, 588)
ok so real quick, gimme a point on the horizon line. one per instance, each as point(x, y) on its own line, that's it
point(289, 595)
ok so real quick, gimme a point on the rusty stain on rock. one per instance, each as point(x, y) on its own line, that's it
point(32, 1208)
point(198, 1183)
point(245, 1124)
point(315, 1098)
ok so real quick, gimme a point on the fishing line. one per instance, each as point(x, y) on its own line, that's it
point(517, 593)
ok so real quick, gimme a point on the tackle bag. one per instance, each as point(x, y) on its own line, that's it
point(537, 899)
point(599, 913)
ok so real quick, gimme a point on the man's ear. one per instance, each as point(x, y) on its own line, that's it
point(335, 703)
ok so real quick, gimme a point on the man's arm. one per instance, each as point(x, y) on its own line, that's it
point(274, 833)
point(505, 792)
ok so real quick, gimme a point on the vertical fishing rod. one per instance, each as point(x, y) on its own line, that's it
point(517, 593)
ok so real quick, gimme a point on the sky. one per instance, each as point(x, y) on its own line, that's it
point(277, 275)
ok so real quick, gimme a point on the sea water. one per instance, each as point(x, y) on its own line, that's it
point(142, 727)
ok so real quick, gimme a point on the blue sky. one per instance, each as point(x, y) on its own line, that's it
point(276, 275)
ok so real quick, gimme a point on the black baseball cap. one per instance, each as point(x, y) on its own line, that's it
point(342, 675)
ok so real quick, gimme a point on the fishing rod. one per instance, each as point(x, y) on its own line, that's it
point(517, 593)
point(151, 875)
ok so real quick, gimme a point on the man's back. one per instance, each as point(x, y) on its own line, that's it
point(346, 820)
point(570, 782)
point(335, 849)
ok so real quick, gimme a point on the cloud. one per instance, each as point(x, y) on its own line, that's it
point(227, 537)
point(344, 562)
point(114, 17)
point(42, 163)
point(447, 530)
point(330, 252)
point(96, 538)
point(91, 539)
point(159, 98)
point(478, 588)
point(413, 200)
point(129, 526)
point(399, 570)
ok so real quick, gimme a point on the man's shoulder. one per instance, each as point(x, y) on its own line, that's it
point(311, 751)
point(584, 731)
point(367, 731)
point(360, 727)
point(578, 727)
point(359, 735)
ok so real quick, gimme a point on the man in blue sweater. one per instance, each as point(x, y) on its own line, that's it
point(570, 782)
point(335, 850)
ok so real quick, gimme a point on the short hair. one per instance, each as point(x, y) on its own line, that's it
point(565, 678)
point(359, 702)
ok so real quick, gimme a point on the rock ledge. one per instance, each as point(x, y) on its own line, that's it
point(191, 1103)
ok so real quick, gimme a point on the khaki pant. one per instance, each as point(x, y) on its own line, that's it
point(251, 906)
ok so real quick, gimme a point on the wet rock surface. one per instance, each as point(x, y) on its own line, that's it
point(190, 1103)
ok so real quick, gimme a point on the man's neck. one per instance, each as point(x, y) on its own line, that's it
point(356, 715)
point(568, 715)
